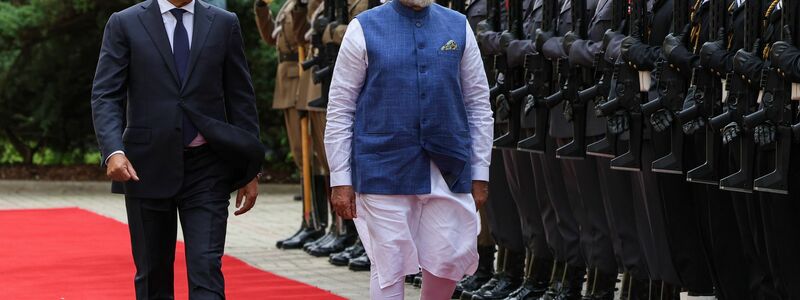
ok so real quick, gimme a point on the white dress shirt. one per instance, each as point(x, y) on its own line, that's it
point(348, 78)
point(169, 24)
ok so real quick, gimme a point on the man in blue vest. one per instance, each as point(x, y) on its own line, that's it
point(408, 139)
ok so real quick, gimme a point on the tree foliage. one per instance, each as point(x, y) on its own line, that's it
point(48, 54)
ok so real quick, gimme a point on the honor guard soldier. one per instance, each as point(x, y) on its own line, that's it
point(285, 32)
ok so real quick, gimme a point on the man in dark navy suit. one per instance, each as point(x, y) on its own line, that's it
point(174, 114)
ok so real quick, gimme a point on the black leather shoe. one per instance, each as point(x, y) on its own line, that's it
point(489, 285)
point(279, 244)
point(321, 240)
point(504, 286)
point(471, 283)
point(360, 263)
point(337, 244)
point(529, 291)
point(303, 236)
point(343, 258)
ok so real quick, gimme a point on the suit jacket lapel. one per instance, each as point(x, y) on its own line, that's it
point(203, 18)
point(154, 25)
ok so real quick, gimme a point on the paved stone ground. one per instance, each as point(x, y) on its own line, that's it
point(251, 237)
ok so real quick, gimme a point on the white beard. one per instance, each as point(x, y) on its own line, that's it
point(417, 3)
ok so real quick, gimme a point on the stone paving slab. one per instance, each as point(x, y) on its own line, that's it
point(251, 237)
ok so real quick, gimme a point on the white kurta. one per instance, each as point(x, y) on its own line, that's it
point(401, 233)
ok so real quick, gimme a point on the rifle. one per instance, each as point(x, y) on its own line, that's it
point(739, 103)
point(776, 107)
point(607, 146)
point(508, 108)
point(673, 91)
point(629, 98)
point(336, 13)
point(705, 88)
point(539, 73)
point(577, 78)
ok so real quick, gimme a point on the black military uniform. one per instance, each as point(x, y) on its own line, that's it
point(740, 271)
point(507, 232)
point(527, 198)
point(583, 185)
point(674, 249)
point(778, 212)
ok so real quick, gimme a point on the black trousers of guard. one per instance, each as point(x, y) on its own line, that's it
point(747, 210)
point(619, 190)
point(683, 203)
point(650, 217)
point(202, 204)
point(528, 193)
point(586, 197)
point(780, 214)
point(729, 263)
point(567, 243)
point(501, 209)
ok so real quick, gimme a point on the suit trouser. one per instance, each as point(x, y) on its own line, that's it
point(618, 199)
point(568, 242)
point(782, 226)
point(527, 196)
point(202, 205)
point(506, 231)
point(682, 201)
point(586, 198)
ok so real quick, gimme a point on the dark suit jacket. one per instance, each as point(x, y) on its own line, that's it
point(138, 102)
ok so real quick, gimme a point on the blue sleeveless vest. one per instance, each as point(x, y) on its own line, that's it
point(410, 110)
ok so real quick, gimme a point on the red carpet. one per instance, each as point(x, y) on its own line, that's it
point(71, 254)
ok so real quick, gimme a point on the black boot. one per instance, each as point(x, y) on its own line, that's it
point(341, 239)
point(601, 286)
point(536, 281)
point(508, 281)
point(343, 258)
point(572, 284)
point(321, 240)
point(300, 238)
point(360, 263)
point(501, 261)
point(481, 276)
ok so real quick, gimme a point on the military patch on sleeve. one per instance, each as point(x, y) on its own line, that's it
point(450, 46)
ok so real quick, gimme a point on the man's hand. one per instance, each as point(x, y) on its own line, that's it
point(480, 192)
point(248, 193)
point(118, 168)
point(343, 200)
